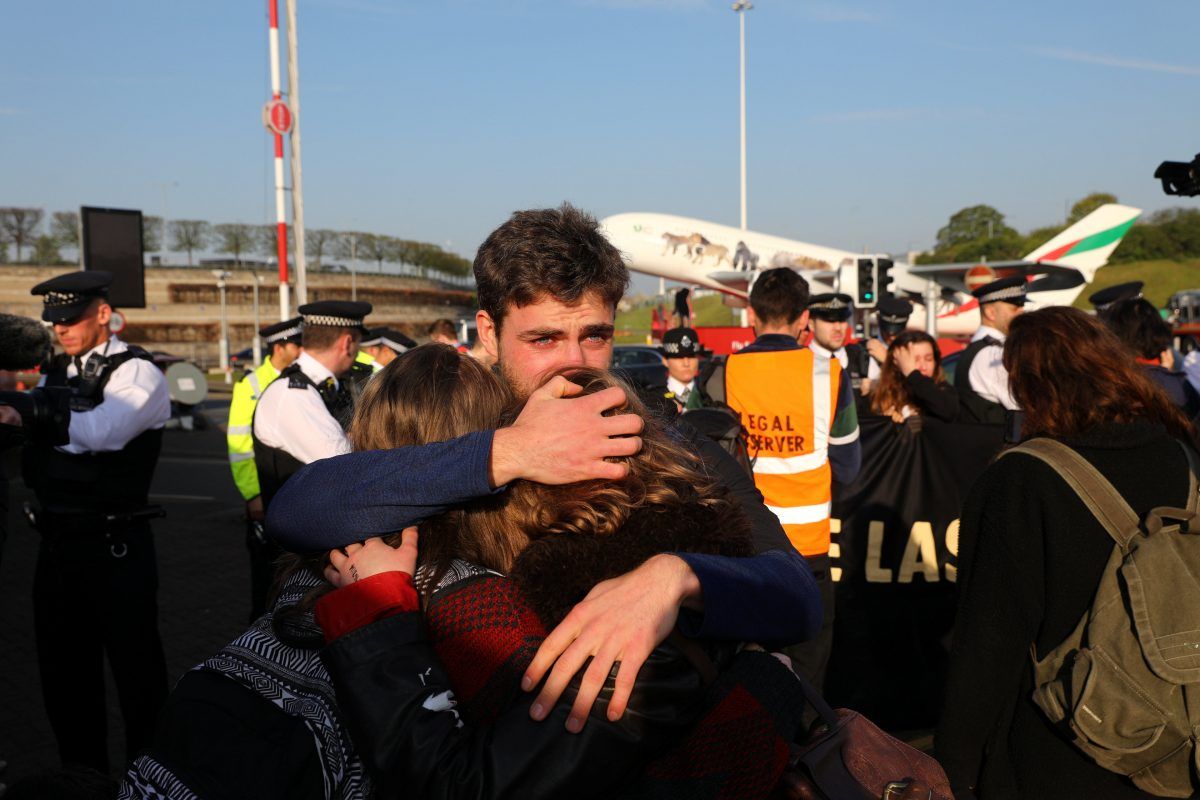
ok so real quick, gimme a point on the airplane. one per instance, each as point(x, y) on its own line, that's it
point(726, 259)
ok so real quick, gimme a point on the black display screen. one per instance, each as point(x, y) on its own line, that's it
point(112, 241)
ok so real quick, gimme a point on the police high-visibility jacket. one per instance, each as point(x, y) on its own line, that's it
point(364, 357)
point(798, 410)
point(241, 416)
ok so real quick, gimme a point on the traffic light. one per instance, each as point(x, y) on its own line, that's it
point(866, 282)
point(883, 277)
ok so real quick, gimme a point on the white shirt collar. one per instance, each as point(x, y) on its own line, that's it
point(679, 388)
point(839, 354)
point(315, 370)
point(106, 348)
point(988, 330)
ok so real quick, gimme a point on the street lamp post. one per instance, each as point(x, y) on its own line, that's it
point(257, 339)
point(223, 348)
point(353, 267)
point(740, 8)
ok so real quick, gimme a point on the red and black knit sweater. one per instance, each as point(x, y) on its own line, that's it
point(487, 629)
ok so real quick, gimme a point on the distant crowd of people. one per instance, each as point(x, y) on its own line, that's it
point(504, 571)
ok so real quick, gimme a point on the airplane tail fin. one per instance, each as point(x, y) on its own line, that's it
point(1088, 243)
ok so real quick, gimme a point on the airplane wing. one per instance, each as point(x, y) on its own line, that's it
point(736, 281)
point(1043, 276)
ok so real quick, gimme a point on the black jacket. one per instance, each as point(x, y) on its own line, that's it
point(1030, 559)
point(935, 399)
point(392, 687)
point(1177, 387)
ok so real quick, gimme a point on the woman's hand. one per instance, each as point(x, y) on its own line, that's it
point(358, 561)
point(906, 362)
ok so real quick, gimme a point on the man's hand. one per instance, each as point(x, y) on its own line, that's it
point(621, 620)
point(562, 440)
point(254, 508)
point(357, 562)
point(877, 350)
point(9, 416)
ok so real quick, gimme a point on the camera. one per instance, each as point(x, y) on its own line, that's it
point(45, 416)
point(859, 360)
point(1179, 177)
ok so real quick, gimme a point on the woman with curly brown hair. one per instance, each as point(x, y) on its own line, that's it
point(911, 380)
point(494, 577)
point(1032, 555)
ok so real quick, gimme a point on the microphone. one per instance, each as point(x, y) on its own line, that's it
point(24, 343)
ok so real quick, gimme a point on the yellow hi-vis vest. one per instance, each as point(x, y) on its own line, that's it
point(238, 434)
point(787, 400)
point(364, 357)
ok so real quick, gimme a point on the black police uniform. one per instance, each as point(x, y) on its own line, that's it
point(96, 580)
point(275, 464)
point(977, 407)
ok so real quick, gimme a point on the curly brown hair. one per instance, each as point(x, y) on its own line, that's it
point(433, 393)
point(547, 252)
point(1070, 373)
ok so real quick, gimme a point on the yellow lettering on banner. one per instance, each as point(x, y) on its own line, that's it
point(835, 550)
point(952, 549)
point(876, 572)
point(920, 554)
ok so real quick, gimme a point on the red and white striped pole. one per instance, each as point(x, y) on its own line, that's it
point(280, 207)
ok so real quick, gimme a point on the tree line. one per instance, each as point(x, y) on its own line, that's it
point(980, 232)
point(36, 239)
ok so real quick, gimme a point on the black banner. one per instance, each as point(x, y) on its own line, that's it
point(895, 538)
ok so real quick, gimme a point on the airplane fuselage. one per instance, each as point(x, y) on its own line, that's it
point(706, 254)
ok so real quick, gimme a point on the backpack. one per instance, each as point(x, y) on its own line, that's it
point(1125, 685)
point(721, 424)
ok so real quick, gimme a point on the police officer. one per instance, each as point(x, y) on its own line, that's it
point(829, 323)
point(96, 581)
point(891, 316)
point(980, 376)
point(384, 344)
point(1105, 299)
point(301, 417)
point(681, 351)
point(282, 341)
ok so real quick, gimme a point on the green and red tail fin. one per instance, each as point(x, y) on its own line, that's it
point(1087, 244)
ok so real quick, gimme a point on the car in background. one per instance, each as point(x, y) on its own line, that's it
point(163, 360)
point(242, 359)
point(639, 364)
point(642, 364)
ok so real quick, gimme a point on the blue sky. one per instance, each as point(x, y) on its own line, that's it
point(869, 122)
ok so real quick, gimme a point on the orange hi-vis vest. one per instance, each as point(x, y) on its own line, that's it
point(787, 400)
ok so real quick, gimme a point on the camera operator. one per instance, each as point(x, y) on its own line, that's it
point(94, 430)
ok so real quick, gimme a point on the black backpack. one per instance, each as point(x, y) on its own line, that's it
point(720, 423)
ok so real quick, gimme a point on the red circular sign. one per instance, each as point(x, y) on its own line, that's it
point(980, 275)
point(116, 323)
point(277, 117)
